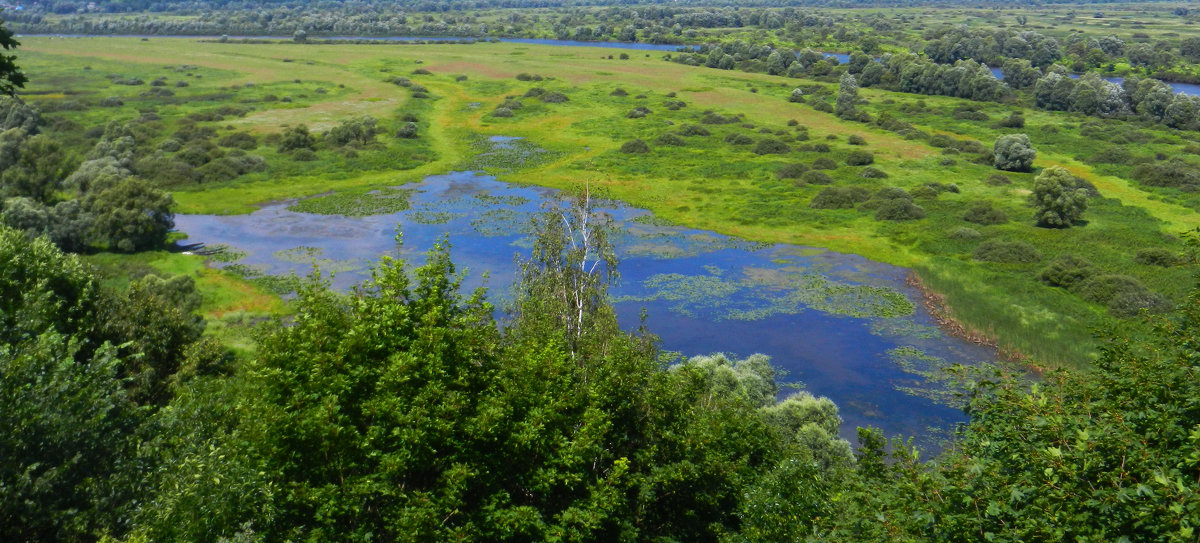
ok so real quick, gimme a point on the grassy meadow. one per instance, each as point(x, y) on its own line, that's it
point(705, 164)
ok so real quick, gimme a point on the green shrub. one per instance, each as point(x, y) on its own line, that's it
point(635, 146)
point(239, 140)
point(618, 92)
point(824, 163)
point(304, 155)
point(874, 173)
point(639, 112)
point(985, 213)
point(534, 92)
point(1172, 173)
point(1008, 252)
point(795, 170)
point(859, 157)
point(898, 210)
point(408, 130)
point(694, 130)
point(814, 177)
point(963, 233)
point(1157, 256)
point(670, 139)
point(839, 198)
point(771, 146)
point(855, 139)
point(998, 180)
point(1066, 271)
point(738, 139)
point(502, 112)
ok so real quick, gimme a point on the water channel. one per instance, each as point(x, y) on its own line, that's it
point(844, 326)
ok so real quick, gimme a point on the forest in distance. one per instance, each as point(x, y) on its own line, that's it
point(185, 356)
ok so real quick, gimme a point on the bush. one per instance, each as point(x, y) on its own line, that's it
point(738, 139)
point(1008, 252)
point(816, 178)
point(873, 173)
point(839, 198)
point(1157, 256)
point(639, 112)
point(239, 140)
point(997, 180)
point(984, 213)
point(1016, 120)
point(111, 101)
point(771, 146)
point(1066, 271)
point(534, 92)
point(502, 112)
point(407, 130)
point(963, 233)
point(554, 98)
point(304, 155)
point(822, 106)
point(855, 139)
point(694, 130)
point(824, 163)
point(859, 157)
point(814, 148)
point(1172, 173)
point(1102, 289)
point(619, 92)
point(1014, 153)
point(1131, 304)
point(635, 146)
point(296, 137)
point(792, 171)
point(1059, 197)
point(716, 118)
point(898, 210)
point(670, 139)
point(422, 71)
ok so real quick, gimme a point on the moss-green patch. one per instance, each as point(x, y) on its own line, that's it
point(356, 202)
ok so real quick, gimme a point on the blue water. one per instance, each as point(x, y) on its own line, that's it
point(1185, 88)
point(762, 301)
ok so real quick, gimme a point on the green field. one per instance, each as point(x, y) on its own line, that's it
point(701, 181)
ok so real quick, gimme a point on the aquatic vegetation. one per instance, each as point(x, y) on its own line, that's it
point(500, 154)
point(356, 204)
point(935, 379)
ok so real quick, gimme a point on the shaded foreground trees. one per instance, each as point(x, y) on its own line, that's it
point(402, 411)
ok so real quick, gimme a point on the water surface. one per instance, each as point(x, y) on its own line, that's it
point(847, 327)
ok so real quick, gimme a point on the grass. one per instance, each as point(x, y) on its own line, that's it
point(707, 183)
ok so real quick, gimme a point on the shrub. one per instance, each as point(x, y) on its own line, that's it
point(1157, 256)
point(941, 141)
point(792, 171)
point(409, 118)
point(670, 139)
point(859, 157)
point(797, 96)
point(304, 155)
point(635, 146)
point(1103, 288)
point(694, 130)
point(1014, 153)
point(814, 148)
point(997, 180)
point(984, 213)
point(899, 210)
point(824, 163)
point(839, 198)
point(1066, 271)
point(822, 106)
point(1008, 252)
point(534, 92)
point(1171, 173)
point(460, 78)
point(639, 112)
point(407, 130)
point(502, 112)
point(1059, 197)
point(873, 173)
point(738, 139)
point(1131, 303)
point(716, 118)
point(524, 77)
point(963, 233)
point(771, 146)
point(814, 177)
point(422, 71)
point(618, 92)
point(855, 139)
point(1015, 120)
point(111, 101)
point(239, 140)
point(554, 98)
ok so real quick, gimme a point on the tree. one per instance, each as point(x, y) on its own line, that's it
point(847, 98)
point(300, 36)
point(295, 138)
point(1059, 197)
point(130, 215)
point(38, 171)
point(11, 76)
point(1014, 153)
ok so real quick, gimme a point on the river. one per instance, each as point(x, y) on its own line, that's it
point(844, 326)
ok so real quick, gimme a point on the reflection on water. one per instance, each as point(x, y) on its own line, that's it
point(845, 326)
